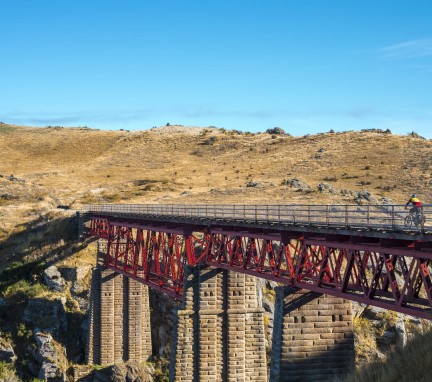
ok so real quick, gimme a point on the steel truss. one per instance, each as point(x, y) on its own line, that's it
point(389, 273)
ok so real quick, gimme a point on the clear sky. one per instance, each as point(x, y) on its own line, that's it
point(306, 66)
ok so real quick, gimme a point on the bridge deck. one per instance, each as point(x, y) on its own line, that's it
point(373, 220)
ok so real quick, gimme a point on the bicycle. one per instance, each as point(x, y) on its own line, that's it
point(415, 219)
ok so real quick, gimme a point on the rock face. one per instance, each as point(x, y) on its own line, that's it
point(47, 315)
point(49, 359)
point(76, 277)
point(53, 279)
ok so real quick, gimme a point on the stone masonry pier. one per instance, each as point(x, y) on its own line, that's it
point(119, 318)
point(313, 337)
point(219, 333)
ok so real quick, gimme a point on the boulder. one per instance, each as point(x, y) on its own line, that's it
point(76, 275)
point(346, 193)
point(365, 196)
point(326, 187)
point(297, 183)
point(53, 279)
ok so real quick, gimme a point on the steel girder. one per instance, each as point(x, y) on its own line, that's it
point(392, 274)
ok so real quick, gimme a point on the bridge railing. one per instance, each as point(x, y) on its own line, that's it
point(345, 216)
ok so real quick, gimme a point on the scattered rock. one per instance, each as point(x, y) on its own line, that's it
point(297, 183)
point(251, 184)
point(15, 179)
point(321, 150)
point(346, 193)
point(53, 279)
point(326, 187)
point(8, 197)
point(365, 196)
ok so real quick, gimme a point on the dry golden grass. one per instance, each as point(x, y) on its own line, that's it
point(75, 166)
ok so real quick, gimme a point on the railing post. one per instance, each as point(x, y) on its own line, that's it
point(367, 215)
point(393, 218)
point(346, 215)
point(327, 215)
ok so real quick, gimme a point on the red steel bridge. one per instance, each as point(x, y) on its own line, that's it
point(370, 254)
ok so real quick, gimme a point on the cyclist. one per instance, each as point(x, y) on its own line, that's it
point(416, 205)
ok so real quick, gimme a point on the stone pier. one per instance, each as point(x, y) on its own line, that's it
point(119, 327)
point(219, 332)
point(312, 338)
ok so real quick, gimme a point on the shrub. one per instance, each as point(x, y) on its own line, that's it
point(7, 373)
point(275, 131)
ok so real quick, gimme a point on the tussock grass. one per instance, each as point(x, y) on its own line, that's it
point(410, 364)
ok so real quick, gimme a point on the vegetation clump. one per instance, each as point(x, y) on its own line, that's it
point(276, 131)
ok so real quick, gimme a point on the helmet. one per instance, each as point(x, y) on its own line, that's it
point(413, 195)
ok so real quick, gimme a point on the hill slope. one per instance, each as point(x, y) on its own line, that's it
point(45, 171)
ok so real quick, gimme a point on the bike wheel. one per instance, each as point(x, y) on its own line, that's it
point(409, 221)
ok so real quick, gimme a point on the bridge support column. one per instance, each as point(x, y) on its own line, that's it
point(219, 333)
point(119, 319)
point(313, 337)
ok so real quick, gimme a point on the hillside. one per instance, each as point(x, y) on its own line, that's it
point(58, 166)
point(46, 174)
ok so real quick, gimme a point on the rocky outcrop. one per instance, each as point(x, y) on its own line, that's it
point(50, 360)
point(297, 183)
point(365, 196)
point(326, 187)
point(129, 372)
point(48, 315)
point(53, 279)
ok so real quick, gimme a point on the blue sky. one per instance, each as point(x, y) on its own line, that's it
point(307, 66)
